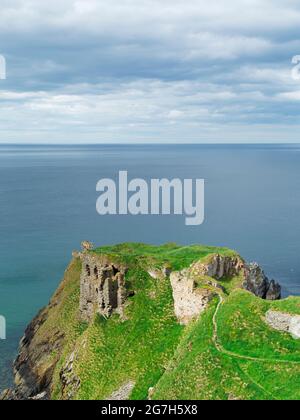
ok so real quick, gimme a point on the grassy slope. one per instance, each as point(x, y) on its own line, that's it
point(242, 328)
point(199, 370)
point(135, 350)
point(177, 257)
point(110, 353)
point(153, 350)
point(140, 348)
point(62, 318)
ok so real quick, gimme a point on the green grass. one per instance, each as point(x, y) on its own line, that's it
point(62, 320)
point(242, 328)
point(178, 257)
point(280, 382)
point(136, 350)
point(290, 305)
point(150, 348)
point(198, 371)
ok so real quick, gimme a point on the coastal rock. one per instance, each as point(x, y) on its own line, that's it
point(39, 351)
point(39, 397)
point(274, 291)
point(190, 301)
point(7, 395)
point(70, 382)
point(32, 370)
point(218, 266)
point(284, 322)
point(258, 283)
point(101, 279)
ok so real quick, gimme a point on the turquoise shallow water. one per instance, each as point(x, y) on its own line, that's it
point(47, 207)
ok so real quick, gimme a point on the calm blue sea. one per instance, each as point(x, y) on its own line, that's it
point(47, 207)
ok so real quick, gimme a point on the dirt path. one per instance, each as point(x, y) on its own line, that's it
point(222, 350)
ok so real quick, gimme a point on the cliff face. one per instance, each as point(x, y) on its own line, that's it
point(258, 283)
point(73, 333)
point(33, 372)
point(255, 280)
point(191, 300)
point(44, 341)
point(218, 266)
point(32, 369)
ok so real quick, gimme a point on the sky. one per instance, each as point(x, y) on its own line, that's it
point(154, 71)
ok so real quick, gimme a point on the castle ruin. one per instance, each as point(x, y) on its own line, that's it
point(102, 286)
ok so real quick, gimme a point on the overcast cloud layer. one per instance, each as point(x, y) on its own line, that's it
point(149, 70)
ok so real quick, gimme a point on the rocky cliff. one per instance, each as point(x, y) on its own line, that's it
point(255, 280)
point(153, 288)
point(258, 283)
point(32, 368)
point(44, 341)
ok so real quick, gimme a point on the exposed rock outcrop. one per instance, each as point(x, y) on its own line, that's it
point(102, 287)
point(258, 283)
point(189, 302)
point(123, 393)
point(218, 266)
point(255, 281)
point(274, 291)
point(284, 322)
point(103, 291)
point(159, 273)
point(41, 349)
point(33, 369)
point(7, 395)
point(69, 380)
point(155, 273)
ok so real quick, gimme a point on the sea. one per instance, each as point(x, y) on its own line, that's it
point(48, 207)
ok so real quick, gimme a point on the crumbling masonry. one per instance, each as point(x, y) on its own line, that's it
point(102, 287)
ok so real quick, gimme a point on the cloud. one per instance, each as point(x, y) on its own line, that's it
point(290, 96)
point(142, 68)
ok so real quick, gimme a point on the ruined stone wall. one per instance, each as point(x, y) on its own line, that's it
point(189, 302)
point(284, 322)
point(102, 287)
